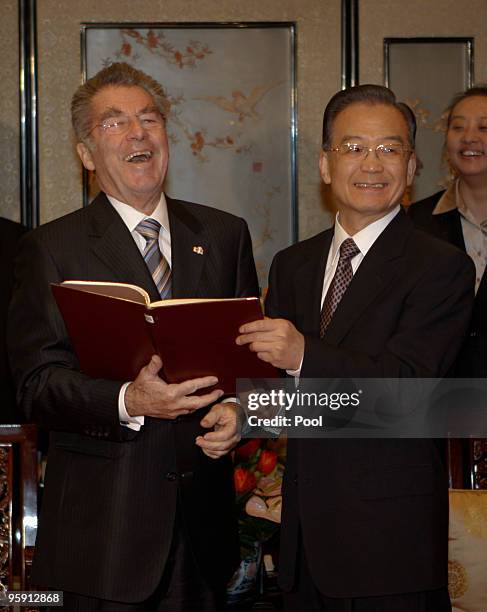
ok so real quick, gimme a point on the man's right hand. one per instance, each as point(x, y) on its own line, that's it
point(150, 396)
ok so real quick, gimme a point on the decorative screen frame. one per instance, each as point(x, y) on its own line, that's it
point(427, 102)
point(253, 186)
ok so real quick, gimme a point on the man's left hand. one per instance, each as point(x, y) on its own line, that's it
point(224, 420)
point(276, 341)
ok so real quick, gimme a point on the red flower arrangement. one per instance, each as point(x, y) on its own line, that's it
point(259, 466)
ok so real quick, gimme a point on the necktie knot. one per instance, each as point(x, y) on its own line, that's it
point(348, 249)
point(149, 228)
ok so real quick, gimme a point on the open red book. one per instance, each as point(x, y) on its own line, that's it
point(114, 330)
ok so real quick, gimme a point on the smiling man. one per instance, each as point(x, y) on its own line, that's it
point(365, 522)
point(138, 510)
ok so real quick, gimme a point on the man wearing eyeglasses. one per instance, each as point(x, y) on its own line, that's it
point(138, 511)
point(365, 521)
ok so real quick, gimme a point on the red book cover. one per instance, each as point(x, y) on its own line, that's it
point(115, 329)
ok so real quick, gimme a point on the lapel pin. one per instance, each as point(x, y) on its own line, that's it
point(198, 250)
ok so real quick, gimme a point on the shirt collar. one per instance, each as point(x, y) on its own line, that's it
point(452, 200)
point(132, 217)
point(365, 238)
point(448, 201)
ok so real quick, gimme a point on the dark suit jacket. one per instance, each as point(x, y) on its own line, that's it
point(111, 494)
point(10, 234)
point(472, 360)
point(373, 513)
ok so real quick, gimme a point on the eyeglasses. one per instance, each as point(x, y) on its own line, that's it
point(121, 123)
point(387, 153)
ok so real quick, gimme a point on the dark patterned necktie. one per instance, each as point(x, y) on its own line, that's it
point(339, 283)
point(155, 260)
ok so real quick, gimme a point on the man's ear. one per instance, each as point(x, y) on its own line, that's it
point(325, 167)
point(411, 169)
point(85, 156)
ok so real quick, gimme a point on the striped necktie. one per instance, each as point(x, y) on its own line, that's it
point(155, 260)
point(339, 283)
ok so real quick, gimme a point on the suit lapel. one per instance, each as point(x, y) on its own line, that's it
point(377, 271)
point(450, 224)
point(480, 304)
point(308, 285)
point(113, 244)
point(189, 249)
point(450, 228)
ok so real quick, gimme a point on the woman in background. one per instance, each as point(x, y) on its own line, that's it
point(459, 215)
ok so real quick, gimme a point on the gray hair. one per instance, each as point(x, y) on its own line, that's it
point(119, 74)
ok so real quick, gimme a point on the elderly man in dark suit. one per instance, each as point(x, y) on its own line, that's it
point(10, 234)
point(138, 507)
point(365, 522)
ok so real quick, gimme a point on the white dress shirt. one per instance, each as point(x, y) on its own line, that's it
point(132, 217)
point(364, 239)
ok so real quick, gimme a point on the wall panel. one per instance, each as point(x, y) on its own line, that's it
point(318, 77)
point(426, 83)
point(9, 112)
point(381, 19)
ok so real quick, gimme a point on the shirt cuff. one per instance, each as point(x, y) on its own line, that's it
point(296, 373)
point(132, 422)
point(230, 399)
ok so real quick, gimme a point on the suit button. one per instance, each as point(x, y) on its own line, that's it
point(171, 476)
point(295, 480)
